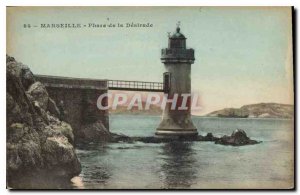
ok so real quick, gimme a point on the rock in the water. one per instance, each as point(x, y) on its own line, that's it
point(207, 137)
point(39, 145)
point(237, 138)
point(94, 132)
point(120, 138)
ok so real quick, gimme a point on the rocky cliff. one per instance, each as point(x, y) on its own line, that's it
point(262, 110)
point(40, 153)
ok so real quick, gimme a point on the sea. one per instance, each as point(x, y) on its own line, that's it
point(190, 165)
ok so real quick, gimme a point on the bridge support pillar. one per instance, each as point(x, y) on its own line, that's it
point(176, 122)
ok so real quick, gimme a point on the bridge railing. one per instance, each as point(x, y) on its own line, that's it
point(135, 85)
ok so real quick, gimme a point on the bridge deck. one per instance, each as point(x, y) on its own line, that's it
point(72, 83)
point(135, 86)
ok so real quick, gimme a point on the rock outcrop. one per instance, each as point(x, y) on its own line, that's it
point(92, 128)
point(94, 132)
point(237, 138)
point(40, 153)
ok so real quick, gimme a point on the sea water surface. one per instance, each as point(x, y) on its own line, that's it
point(190, 165)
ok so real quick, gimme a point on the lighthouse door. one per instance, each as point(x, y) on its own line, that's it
point(167, 81)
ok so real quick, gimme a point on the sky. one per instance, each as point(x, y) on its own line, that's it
point(243, 54)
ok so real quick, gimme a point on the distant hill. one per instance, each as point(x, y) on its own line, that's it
point(261, 110)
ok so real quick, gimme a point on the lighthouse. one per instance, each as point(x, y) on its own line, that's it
point(177, 59)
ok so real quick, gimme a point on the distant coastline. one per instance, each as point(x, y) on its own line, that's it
point(260, 110)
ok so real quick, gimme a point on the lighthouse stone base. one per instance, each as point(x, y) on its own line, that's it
point(173, 128)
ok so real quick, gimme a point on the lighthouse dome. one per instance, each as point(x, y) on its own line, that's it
point(177, 34)
point(177, 51)
point(177, 40)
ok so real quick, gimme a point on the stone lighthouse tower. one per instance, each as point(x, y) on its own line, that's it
point(177, 59)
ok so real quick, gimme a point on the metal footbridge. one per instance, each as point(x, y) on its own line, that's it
point(135, 86)
point(97, 84)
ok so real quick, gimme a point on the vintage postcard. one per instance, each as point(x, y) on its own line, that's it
point(150, 98)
